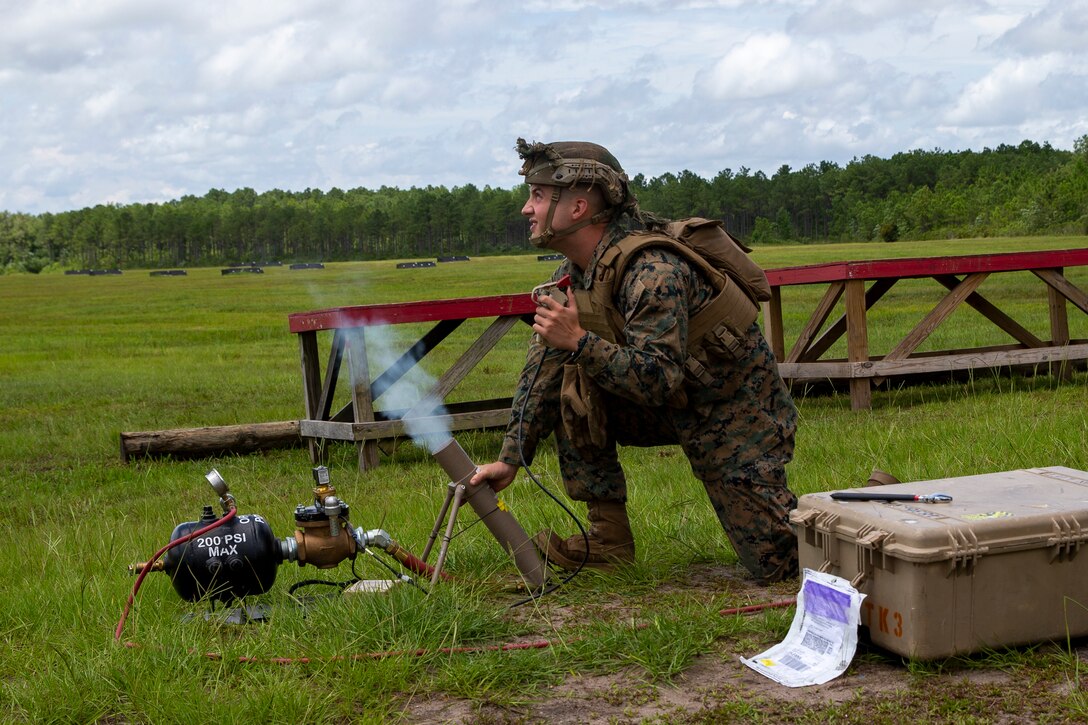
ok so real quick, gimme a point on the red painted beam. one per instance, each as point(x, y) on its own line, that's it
point(522, 304)
point(926, 266)
point(399, 312)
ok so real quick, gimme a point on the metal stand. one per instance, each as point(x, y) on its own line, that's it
point(455, 496)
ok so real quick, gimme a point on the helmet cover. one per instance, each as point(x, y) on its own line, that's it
point(575, 163)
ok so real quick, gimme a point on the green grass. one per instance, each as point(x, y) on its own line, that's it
point(85, 358)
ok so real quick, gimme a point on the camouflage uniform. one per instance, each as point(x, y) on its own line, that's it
point(737, 433)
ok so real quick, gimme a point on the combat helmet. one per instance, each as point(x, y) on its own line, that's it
point(565, 164)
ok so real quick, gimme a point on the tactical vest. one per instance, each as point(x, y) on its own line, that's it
point(721, 325)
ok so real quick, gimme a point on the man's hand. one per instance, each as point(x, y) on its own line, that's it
point(498, 474)
point(557, 324)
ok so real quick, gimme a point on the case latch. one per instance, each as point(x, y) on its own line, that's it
point(964, 551)
point(1067, 538)
point(819, 533)
point(869, 546)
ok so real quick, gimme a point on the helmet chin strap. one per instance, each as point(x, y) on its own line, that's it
point(545, 239)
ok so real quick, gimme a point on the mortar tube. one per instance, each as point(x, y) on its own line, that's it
point(500, 522)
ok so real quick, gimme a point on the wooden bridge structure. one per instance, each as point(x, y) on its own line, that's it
point(861, 285)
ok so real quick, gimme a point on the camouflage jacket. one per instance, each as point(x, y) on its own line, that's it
point(657, 296)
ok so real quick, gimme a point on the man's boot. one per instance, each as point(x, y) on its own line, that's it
point(610, 540)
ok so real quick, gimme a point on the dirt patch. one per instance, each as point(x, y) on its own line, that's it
point(716, 687)
point(708, 687)
point(720, 689)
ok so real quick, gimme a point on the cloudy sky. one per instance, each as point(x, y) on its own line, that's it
point(139, 100)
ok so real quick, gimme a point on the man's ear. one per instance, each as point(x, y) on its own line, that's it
point(579, 208)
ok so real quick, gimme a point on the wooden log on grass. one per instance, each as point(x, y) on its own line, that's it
point(213, 440)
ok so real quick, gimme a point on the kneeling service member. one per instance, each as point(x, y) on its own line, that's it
point(623, 360)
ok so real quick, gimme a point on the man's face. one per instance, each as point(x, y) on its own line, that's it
point(536, 208)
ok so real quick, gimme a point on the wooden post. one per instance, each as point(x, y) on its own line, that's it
point(772, 323)
point(1059, 318)
point(311, 384)
point(362, 402)
point(1059, 327)
point(857, 342)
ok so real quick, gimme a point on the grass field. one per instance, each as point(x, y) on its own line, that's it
point(85, 358)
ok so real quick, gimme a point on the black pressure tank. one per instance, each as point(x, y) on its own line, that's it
point(237, 559)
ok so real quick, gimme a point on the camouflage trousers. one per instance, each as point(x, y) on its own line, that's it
point(746, 485)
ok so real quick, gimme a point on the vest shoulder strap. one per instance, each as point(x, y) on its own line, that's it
point(726, 316)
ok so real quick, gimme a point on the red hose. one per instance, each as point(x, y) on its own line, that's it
point(147, 567)
point(758, 607)
point(414, 563)
point(537, 644)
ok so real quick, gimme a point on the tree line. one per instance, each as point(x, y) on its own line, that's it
point(1026, 189)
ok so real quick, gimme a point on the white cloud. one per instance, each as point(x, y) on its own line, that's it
point(263, 61)
point(771, 64)
point(1007, 95)
point(138, 99)
point(103, 104)
point(834, 17)
point(1061, 26)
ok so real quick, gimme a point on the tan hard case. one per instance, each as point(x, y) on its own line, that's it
point(998, 566)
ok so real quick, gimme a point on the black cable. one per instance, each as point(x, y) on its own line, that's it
point(400, 576)
point(542, 487)
point(323, 582)
point(396, 574)
point(345, 584)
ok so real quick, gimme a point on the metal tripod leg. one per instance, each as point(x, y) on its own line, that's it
point(438, 522)
point(453, 503)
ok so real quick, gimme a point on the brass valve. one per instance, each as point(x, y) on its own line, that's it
point(314, 545)
point(320, 540)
